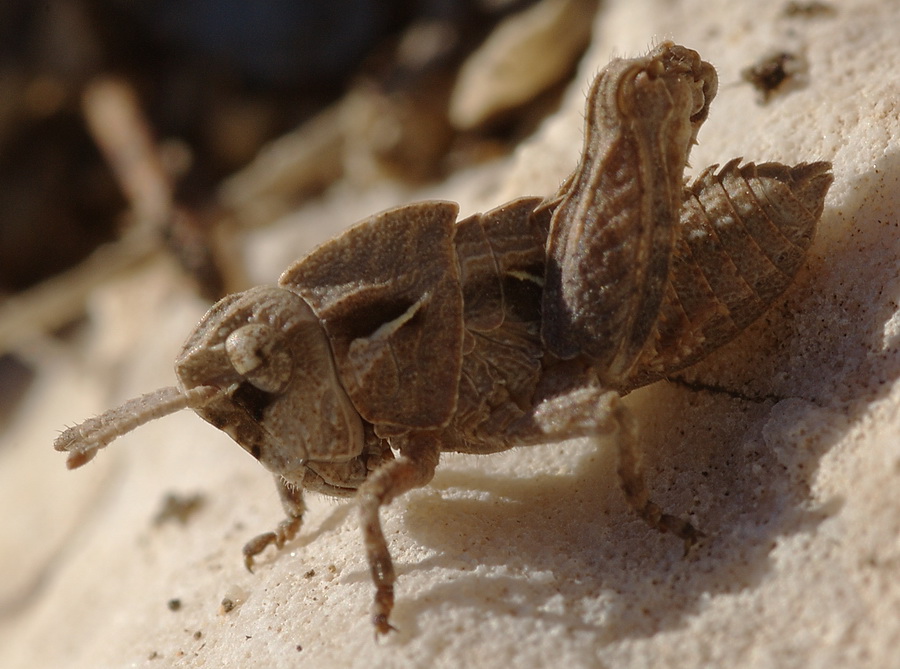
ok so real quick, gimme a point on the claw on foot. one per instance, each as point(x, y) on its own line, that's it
point(256, 546)
point(382, 626)
point(682, 529)
point(286, 531)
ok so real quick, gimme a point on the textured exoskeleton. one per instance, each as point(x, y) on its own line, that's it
point(412, 334)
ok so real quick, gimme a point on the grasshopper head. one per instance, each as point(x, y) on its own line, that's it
point(279, 397)
point(259, 367)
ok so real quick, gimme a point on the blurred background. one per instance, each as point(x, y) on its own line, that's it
point(132, 127)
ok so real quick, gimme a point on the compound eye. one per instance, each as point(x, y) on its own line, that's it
point(261, 355)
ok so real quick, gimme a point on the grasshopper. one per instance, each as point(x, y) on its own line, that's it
point(412, 334)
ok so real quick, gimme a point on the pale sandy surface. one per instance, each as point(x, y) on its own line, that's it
point(785, 450)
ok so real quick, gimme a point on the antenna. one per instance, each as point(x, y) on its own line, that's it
point(82, 441)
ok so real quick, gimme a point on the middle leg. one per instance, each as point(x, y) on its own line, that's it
point(592, 412)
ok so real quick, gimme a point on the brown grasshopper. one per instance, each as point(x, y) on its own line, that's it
point(412, 334)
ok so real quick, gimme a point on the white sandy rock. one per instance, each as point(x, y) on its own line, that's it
point(784, 447)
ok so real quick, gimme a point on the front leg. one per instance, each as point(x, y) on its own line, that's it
point(414, 468)
point(292, 501)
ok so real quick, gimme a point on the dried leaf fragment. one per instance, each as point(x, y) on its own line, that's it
point(776, 73)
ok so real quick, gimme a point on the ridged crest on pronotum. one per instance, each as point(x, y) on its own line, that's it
point(743, 235)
